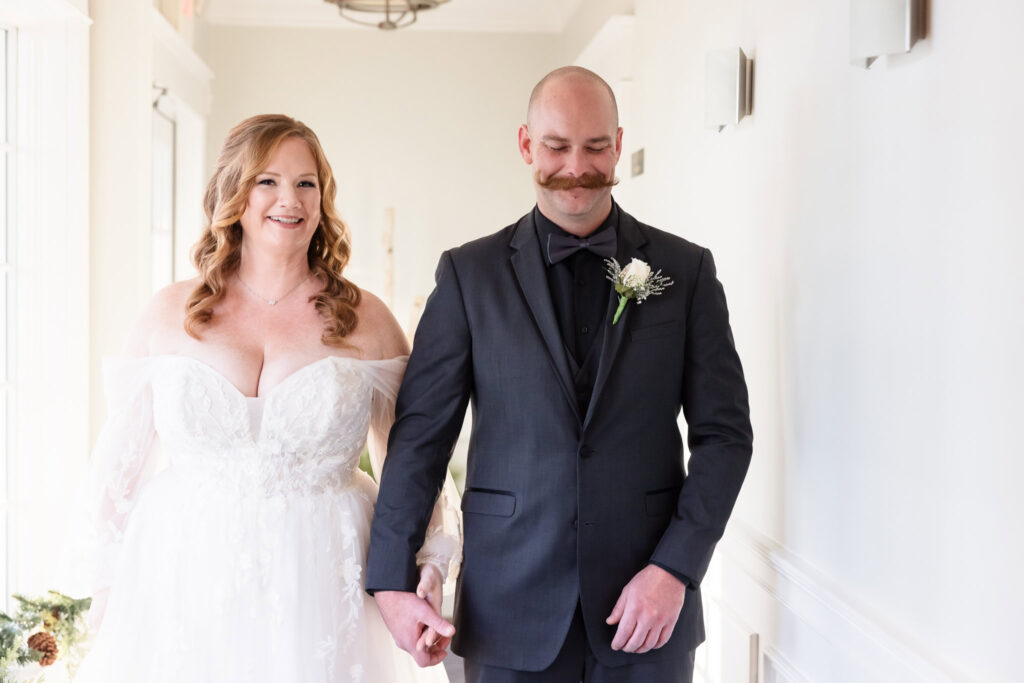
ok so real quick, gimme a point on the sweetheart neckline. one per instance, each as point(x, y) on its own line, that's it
point(223, 378)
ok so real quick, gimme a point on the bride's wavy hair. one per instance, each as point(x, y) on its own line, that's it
point(245, 154)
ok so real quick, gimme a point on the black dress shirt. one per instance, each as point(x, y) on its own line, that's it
point(580, 291)
point(579, 287)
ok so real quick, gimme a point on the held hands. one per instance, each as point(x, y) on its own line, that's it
point(414, 619)
point(430, 589)
point(647, 610)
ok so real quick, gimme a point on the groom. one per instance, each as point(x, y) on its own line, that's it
point(586, 540)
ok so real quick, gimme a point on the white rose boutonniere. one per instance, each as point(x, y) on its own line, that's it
point(635, 273)
point(635, 281)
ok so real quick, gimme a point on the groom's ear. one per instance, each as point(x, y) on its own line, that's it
point(525, 142)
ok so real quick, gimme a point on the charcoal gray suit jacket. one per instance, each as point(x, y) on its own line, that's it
point(565, 503)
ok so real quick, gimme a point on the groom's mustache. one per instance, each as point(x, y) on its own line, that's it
point(589, 181)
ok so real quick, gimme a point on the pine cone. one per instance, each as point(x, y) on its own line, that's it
point(44, 642)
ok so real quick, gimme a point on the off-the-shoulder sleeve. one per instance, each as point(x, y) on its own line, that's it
point(442, 545)
point(121, 456)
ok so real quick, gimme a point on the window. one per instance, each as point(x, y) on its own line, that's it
point(44, 285)
point(6, 287)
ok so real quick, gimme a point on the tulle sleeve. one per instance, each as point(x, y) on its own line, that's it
point(121, 457)
point(442, 545)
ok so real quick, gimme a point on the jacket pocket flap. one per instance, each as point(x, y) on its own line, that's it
point(488, 502)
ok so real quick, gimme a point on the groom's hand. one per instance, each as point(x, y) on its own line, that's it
point(409, 617)
point(647, 610)
point(430, 589)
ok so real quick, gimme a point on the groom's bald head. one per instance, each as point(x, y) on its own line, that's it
point(572, 77)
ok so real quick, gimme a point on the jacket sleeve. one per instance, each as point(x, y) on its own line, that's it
point(429, 411)
point(442, 546)
point(715, 404)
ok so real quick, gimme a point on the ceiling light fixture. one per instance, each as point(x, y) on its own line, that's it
point(397, 13)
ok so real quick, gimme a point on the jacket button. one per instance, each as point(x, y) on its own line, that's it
point(575, 524)
point(586, 451)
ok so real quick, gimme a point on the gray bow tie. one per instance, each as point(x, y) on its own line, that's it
point(562, 246)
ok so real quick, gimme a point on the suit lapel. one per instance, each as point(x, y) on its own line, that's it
point(630, 241)
point(529, 266)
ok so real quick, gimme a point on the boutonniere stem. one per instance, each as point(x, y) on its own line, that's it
point(635, 281)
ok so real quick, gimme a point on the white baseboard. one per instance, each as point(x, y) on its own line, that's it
point(845, 633)
point(777, 669)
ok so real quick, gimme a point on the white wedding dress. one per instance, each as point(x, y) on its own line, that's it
point(243, 559)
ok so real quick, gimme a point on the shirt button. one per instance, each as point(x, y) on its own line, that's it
point(584, 329)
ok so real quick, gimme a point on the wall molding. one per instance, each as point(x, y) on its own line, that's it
point(830, 611)
point(167, 36)
point(777, 669)
point(178, 67)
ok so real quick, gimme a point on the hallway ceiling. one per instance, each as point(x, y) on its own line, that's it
point(520, 16)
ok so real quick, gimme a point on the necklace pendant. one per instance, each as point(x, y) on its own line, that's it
point(272, 302)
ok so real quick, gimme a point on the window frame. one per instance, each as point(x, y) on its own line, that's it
point(8, 380)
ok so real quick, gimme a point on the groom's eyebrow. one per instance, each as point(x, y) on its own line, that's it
point(590, 141)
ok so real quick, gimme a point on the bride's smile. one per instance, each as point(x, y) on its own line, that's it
point(283, 206)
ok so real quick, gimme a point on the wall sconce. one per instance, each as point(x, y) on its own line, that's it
point(727, 87)
point(883, 27)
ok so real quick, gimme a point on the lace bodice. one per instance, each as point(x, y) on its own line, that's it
point(305, 436)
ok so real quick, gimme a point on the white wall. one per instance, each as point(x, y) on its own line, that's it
point(121, 66)
point(867, 228)
point(422, 122)
point(587, 21)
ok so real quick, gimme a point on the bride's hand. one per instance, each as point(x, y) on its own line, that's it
point(430, 589)
point(430, 586)
point(409, 617)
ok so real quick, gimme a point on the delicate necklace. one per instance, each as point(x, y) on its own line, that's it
point(271, 302)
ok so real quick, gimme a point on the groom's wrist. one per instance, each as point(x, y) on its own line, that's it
point(682, 577)
point(375, 591)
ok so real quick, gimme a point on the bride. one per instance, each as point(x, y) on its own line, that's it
point(262, 379)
